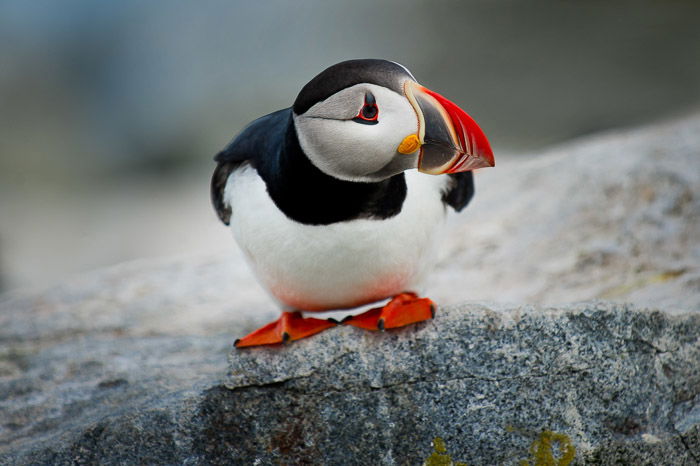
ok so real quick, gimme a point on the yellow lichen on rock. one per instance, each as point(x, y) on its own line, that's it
point(439, 457)
point(541, 453)
point(541, 450)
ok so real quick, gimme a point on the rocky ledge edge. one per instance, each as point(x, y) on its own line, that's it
point(591, 383)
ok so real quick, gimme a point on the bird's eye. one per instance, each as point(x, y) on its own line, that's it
point(369, 113)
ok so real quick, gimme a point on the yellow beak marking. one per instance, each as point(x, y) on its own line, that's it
point(409, 145)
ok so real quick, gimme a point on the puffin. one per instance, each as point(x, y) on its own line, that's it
point(337, 201)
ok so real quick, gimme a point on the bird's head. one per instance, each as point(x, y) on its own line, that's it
point(367, 120)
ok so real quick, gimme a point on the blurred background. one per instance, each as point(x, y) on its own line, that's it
point(111, 111)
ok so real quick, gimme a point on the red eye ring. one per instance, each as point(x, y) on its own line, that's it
point(369, 113)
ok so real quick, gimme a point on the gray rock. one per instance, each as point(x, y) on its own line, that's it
point(128, 365)
point(619, 382)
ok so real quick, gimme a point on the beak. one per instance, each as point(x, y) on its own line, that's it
point(450, 140)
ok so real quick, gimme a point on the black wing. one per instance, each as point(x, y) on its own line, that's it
point(460, 190)
point(255, 141)
point(218, 185)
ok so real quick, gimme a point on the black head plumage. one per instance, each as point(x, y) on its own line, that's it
point(349, 73)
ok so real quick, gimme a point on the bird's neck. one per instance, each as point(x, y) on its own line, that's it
point(307, 195)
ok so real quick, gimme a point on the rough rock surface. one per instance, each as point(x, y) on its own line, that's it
point(617, 381)
point(128, 365)
point(620, 383)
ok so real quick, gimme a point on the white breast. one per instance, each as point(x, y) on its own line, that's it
point(342, 265)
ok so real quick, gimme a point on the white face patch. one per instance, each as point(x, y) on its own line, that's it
point(353, 151)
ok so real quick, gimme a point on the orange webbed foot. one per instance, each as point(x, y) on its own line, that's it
point(403, 309)
point(290, 326)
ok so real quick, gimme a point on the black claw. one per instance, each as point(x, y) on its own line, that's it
point(432, 311)
point(380, 324)
point(345, 319)
point(331, 319)
point(285, 338)
point(235, 343)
